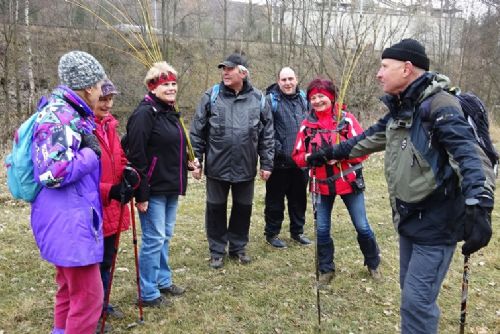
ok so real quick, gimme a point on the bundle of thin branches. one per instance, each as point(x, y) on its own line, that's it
point(148, 52)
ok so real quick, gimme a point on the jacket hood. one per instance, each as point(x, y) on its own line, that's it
point(438, 82)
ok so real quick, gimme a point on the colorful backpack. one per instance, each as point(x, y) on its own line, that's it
point(20, 170)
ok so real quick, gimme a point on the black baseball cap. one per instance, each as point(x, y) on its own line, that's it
point(234, 60)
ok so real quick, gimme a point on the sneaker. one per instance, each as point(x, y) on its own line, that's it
point(325, 279)
point(375, 274)
point(107, 327)
point(276, 242)
point(301, 239)
point(216, 262)
point(173, 290)
point(114, 312)
point(241, 257)
point(158, 302)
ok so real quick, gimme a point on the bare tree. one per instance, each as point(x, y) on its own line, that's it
point(31, 80)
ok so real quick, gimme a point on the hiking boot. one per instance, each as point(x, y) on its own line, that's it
point(276, 242)
point(173, 290)
point(216, 262)
point(375, 274)
point(301, 239)
point(325, 279)
point(159, 302)
point(107, 327)
point(241, 257)
point(114, 312)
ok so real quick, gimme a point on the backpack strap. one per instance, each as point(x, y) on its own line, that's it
point(214, 94)
point(303, 96)
point(274, 102)
point(262, 102)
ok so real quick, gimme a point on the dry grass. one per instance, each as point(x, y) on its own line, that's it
point(274, 294)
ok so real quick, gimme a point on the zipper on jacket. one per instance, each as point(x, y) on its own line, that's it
point(94, 231)
point(152, 167)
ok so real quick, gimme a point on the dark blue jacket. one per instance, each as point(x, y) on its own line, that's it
point(288, 114)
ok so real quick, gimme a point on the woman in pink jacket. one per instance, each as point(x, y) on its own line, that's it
point(113, 162)
point(323, 125)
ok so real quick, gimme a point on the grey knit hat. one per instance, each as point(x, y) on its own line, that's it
point(79, 70)
point(408, 50)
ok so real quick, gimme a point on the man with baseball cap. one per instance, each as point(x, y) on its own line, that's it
point(439, 190)
point(232, 128)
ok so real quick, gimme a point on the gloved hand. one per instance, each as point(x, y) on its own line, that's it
point(321, 156)
point(478, 230)
point(90, 141)
point(116, 192)
point(131, 176)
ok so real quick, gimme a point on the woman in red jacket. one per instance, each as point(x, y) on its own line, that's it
point(341, 178)
point(113, 162)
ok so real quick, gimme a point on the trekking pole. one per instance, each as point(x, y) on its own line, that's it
point(465, 292)
point(316, 260)
point(134, 238)
point(123, 190)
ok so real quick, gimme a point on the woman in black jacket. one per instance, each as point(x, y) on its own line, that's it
point(158, 149)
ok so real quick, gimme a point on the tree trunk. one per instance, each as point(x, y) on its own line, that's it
point(165, 28)
point(249, 26)
point(31, 80)
point(225, 29)
point(16, 60)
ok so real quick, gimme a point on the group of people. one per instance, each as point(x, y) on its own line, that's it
point(440, 190)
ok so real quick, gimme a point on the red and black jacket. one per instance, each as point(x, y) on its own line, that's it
point(321, 128)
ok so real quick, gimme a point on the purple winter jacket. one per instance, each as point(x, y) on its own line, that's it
point(66, 216)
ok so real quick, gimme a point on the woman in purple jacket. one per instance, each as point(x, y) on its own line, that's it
point(66, 216)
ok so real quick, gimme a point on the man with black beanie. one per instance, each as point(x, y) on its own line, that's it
point(440, 190)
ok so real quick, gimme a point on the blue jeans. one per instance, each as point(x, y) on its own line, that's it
point(355, 204)
point(157, 225)
point(422, 270)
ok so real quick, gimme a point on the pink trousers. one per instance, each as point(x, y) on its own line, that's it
point(79, 299)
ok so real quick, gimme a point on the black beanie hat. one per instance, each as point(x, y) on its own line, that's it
point(408, 50)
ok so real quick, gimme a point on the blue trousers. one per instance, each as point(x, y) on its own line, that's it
point(157, 225)
point(355, 204)
point(422, 271)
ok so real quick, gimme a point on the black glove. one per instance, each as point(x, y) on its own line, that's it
point(478, 230)
point(90, 141)
point(321, 156)
point(131, 176)
point(117, 190)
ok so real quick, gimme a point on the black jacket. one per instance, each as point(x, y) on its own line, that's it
point(289, 113)
point(233, 134)
point(156, 147)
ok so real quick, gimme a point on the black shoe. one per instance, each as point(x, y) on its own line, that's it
point(375, 274)
point(114, 312)
point(159, 302)
point(276, 242)
point(216, 262)
point(107, 327)
point(301, 239)
point(173, 290)
point(241, 257)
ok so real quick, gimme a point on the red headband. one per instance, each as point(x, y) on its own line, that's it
point(321, 91)
point(163, 78)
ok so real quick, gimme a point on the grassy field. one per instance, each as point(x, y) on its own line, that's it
point(274, 294)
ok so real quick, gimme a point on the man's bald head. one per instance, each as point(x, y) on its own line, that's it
point(287, 81)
